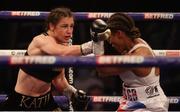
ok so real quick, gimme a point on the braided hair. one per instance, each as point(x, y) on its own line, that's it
point(123, 22)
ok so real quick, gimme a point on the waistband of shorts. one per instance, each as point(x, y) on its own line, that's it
point(20, 95)
point(143, 92)
point(32, 103)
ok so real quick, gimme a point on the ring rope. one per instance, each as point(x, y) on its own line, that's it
point(157, 52)
point(100, 99)
point(89, 61)
point(90, 15)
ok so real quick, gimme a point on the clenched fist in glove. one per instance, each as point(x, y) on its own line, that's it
point(78, 97)
point(99, 30)
point(99, 33)
point(80, 100)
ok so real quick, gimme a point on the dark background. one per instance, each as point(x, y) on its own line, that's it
point(16, 34)
point(92, 5)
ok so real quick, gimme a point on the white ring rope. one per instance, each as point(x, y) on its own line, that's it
point(157, 52)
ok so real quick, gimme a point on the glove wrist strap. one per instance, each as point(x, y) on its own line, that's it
point(86, 48)
point(98, 48)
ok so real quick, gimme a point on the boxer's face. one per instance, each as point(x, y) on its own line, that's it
point(63, 30)
point(117, 41)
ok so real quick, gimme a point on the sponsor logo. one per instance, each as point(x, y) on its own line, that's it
point(174, 100)
point(13, 53)
point(32, 60)
point(106, 99)
point(119, 59)
point(160, 53)
point(25, 13)
point(158, 16)
point(99, 15)
point(152, 91)
point(18, 53)
point(70, 72)
point(172, 53)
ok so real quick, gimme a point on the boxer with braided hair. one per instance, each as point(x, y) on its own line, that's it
point(141, 85)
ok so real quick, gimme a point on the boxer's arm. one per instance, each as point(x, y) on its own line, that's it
point(60, 81)
point(49, 46)
point(78, 97)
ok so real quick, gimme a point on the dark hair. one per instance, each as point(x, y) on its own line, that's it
point(123, 22)
point(56, 14)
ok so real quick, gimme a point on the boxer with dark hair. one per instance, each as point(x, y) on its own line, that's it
point(33, 86)
point(141, 85)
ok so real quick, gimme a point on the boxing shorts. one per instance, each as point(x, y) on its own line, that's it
point(144, 98)
point(19, 102)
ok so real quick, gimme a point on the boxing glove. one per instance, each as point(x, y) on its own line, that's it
point(99, 33)
point(99, 30)
point(80, 100)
